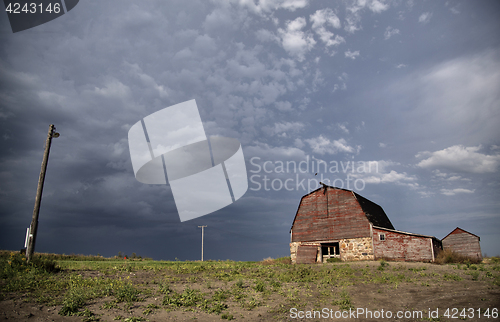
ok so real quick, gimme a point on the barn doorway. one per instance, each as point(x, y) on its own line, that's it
point(330, 250)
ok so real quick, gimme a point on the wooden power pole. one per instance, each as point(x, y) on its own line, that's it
point(34, 221)
point(202, 237)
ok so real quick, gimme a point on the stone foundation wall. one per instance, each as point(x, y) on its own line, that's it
point(356, 249)
point(350, 249)
point(293, 251)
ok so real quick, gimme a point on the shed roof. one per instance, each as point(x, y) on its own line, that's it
point(404, 232)
point(465, 231)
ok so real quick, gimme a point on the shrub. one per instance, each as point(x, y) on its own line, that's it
point(448, 256)
point(15, 264)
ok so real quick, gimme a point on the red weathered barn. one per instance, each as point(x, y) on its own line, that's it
point(338, 223)
point(464, 243)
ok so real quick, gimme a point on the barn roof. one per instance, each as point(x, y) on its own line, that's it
point(374, 213)
point(465, 231)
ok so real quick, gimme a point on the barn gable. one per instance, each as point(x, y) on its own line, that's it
point(333, 213)
point(464, 243)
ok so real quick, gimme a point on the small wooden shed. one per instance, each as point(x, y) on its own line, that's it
point(464, 243)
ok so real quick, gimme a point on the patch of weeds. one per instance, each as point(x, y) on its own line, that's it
point(217, 307)
point(187, 298)
point(259, 286)
point(88, 316)
point(451, 277)
point(474, 275)
point(126, 293)
point(251, 304)
point(417, 269)
point(448, 256)
point(238, 294)
point(72, 304)
point(134, 319)
point(239, 284)
point(220, 295)
point(276, 284)
point(109, 305)
point(383, 265)
point(333, 260)
point(344, 303)
point(299, 274)
point(165, 289)
point(226, 316)
point(148, 311)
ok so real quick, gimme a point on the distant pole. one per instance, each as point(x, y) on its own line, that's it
point(34, 221)
point(202, 237)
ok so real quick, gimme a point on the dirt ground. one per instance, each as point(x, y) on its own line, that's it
point(428, 288)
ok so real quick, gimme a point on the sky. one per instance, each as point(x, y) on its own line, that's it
point(407, 91)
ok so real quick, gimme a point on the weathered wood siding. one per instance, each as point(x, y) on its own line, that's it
point(306, 254)
point(464, 243)
point(333, 214)
point(399, 246)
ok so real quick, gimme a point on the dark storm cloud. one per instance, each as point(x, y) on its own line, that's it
point(280, 77)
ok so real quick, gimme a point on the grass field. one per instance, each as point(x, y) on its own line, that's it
point(87, 288)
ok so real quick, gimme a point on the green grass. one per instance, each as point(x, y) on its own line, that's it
point(212, 287)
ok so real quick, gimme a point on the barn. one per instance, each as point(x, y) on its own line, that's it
point(462, 242)
point(332, 222)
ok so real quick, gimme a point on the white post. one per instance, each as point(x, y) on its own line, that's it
point(202, 237)
point(27, 237)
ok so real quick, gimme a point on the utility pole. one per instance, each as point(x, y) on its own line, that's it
point(34, 221)
point(202, 237)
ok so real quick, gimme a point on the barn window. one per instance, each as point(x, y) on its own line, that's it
point(381, 236)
